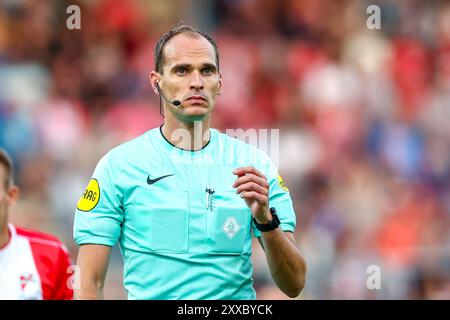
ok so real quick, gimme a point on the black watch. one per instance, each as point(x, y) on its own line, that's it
point(272, 225)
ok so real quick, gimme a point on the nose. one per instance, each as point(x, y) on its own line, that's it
point(196, 82)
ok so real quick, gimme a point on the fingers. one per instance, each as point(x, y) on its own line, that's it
point(252, 195)
point(252, 186)
point(247, 174)
point(251, 178)
point(245, 170)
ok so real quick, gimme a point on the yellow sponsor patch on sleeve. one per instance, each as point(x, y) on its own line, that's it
point(90, 197)
point(282, 183)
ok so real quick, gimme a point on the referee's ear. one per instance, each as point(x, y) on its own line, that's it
point(154, 78)
point(219, 87)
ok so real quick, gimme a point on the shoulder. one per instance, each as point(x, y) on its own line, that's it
point(126, 150)
point(52, 262)
point(134, 144)
point(246, 152)
point(42, 242)
point(38, 236)
point(233, 141)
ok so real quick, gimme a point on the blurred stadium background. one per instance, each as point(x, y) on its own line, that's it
point(363, 117)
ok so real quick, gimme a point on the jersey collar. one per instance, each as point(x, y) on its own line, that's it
point(170, 146)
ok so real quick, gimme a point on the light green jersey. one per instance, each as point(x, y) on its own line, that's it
point(183, 231)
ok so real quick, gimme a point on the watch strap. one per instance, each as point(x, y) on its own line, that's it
point(272, 225)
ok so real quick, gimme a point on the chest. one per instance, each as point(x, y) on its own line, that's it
point(19, 277)
point(189, 208)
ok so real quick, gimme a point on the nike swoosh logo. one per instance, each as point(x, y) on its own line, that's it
point(152, 181)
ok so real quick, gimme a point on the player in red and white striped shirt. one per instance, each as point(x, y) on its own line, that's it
point(33, 265)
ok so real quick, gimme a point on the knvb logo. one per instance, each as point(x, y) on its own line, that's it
point(231, 227)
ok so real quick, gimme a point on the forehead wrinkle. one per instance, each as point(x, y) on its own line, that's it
point(180, 50)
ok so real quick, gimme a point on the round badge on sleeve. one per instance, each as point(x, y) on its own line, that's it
point(90, 197)
point(282, 183)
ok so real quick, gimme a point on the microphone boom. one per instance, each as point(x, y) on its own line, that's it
point(176, 103)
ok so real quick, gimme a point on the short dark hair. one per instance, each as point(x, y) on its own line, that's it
point(180, 28)
point(6, 162)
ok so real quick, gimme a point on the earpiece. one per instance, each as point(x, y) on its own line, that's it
point(156, 87)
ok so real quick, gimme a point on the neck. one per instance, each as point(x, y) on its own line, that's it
point(187, 135)
point(4, 235)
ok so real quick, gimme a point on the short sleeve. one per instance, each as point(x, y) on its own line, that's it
point(99, 212)
point(279, 198)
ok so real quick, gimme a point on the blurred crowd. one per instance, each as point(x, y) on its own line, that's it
point(362, 115)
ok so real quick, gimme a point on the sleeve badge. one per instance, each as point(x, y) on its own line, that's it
point(282, 183)
point(90, 197)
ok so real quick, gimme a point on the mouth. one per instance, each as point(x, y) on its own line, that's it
point(196, 99)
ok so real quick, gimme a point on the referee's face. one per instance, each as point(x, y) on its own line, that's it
point(190, 74)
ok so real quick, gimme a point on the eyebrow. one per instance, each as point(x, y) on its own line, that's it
point(189, 66)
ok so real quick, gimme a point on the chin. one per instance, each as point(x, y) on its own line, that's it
point(195, 117)
point(196, 113)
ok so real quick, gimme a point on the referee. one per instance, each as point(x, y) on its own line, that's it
point(183, 200)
